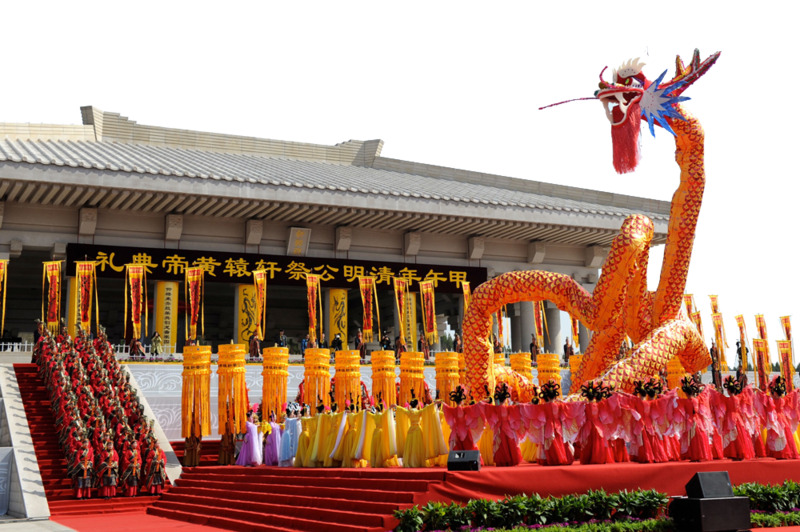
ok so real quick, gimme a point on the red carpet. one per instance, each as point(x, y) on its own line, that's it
point(52, 463)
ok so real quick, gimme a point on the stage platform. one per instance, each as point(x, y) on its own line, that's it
point(669, 477)
point(352, 500)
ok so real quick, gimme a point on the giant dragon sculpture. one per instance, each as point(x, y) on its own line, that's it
point(620, 303)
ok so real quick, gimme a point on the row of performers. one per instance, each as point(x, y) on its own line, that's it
point(100, 422)
point(700, 424)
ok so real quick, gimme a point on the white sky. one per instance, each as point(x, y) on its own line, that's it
point(455, 84)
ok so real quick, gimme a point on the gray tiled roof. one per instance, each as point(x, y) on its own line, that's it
point(284, 172)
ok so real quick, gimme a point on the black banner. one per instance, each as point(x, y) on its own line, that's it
point(223, 267)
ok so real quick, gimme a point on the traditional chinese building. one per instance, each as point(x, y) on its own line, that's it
point(116, 192)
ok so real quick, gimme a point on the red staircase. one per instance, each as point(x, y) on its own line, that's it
point(274, 499)
point(209, 451)
point(51, 459)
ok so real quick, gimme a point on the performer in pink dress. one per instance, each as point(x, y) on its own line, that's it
point(736, 440)
point(466, 422)
point(507, 425)
point(691, 418)
point(543, 424)
point(780, 438)
point(593, 435)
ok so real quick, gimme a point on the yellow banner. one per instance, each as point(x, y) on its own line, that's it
point(467, 295)
point(166, 311)
point(337, 312)
point(714, 304)
point(411, 322)
point(246, 313)
point(428, 311)
point(51, 297)
point(787, 364)
point(87, 283)
point(369, 300)
point(719, 338)
point(786, 323)
point(137, 284)
point(194, 302)
point(313, 296)
point(260, 287)
point(761, 325)
point(762, 362)
point(698, 321)
point(539, 322)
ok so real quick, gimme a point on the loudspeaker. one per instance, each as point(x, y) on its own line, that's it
point(464, 461)
point(709, 485)
point(710, 515)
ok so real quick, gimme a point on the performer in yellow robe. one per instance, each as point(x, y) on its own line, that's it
point(424, 439)
point(383, 452)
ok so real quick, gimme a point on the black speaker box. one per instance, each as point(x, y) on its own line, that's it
point(710, 515)
point(464, 461)
point(709, 485)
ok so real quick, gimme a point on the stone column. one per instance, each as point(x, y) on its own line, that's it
point(556, 343)
point(527, 325)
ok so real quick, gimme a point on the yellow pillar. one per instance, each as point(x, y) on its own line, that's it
point(246, 319)
point(166, 311)
point(337, 314)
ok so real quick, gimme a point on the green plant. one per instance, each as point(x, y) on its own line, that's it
point(457, 516)
point(485, 513)
point(641, 504)
point(514, 510)
point(434, 516)
point(410, 519)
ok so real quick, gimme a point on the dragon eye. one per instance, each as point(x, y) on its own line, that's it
point(626, 81)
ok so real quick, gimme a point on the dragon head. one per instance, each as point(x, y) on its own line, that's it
point(629, 97)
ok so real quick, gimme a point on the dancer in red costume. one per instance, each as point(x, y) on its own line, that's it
point(780, 439)
point(593, 435)
point(736, 440)
point(544, 427)
point(466, 422)
point(507, 425)
point(155, 467)
point(647, 444)
point(691, 419)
